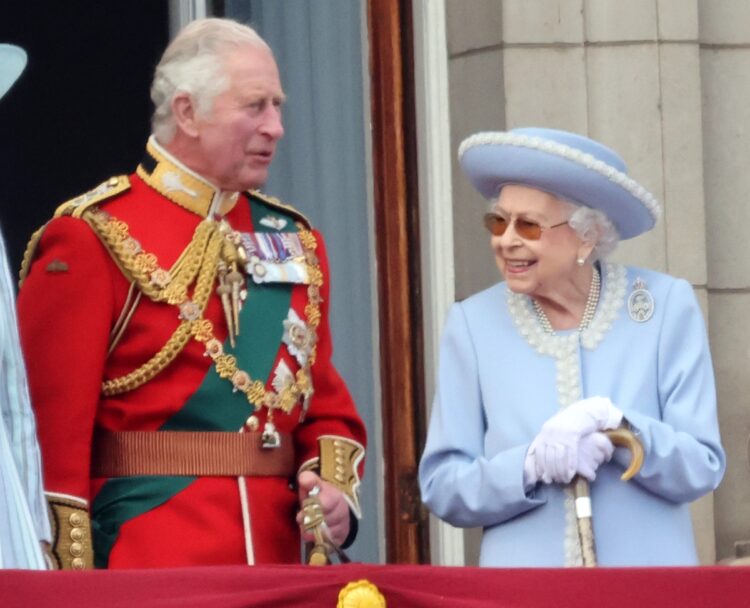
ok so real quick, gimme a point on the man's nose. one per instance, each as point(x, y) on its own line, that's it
point(273, 125)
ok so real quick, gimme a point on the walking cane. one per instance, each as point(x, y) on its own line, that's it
point(622, 438)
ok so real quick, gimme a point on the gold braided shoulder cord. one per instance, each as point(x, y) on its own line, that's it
point(28, 254)
point(158, 284)
point(202, 258)
point(143, 267)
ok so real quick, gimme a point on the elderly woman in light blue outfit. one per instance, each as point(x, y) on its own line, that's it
point(533, 369)
point(23, 511)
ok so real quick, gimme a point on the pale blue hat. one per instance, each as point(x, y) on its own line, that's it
point(565, 164)
point(12, 63)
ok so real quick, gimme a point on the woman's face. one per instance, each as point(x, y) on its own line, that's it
point(540, 267)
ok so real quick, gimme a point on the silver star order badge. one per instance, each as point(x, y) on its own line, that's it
point(298, 337)
point(282, 377)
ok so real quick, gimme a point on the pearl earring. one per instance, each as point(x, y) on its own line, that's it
point(580, 261)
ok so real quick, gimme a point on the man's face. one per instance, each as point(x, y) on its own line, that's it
point(237, 138)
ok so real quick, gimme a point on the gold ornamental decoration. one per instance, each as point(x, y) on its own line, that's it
point(212, 246)
point(361, 594)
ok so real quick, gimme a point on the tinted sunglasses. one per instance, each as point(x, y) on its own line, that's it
point(526, 229)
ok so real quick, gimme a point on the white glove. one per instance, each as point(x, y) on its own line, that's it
point(593, 450)
point(555, 448)
point(586, 416)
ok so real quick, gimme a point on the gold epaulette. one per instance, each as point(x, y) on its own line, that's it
point(276, 203)
point(74, 208)
point(106, 190)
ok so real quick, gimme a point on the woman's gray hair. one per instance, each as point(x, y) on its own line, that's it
point(593, 225)
point(193, 63)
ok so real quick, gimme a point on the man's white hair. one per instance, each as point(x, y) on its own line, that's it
point(193, 63)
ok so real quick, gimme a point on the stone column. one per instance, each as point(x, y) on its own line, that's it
point(725, 73)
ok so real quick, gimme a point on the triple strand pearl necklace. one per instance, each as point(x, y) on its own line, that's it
point(588, 313)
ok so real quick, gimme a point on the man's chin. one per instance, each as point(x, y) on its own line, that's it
point(254, 182)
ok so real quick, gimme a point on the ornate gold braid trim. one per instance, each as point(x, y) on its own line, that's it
point(209, 247)
point(272, 201)
point(142, 267)
point(339, 462)
point(158, 284)
point(75, 208)
point(28, 254)
point(71, 547)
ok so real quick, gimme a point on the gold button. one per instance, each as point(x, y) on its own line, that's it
point(76, 534)
point(76, 549)
point(78, 563)
point(336, 442)
point(113, 181)
point(75, 519)
point(252, 423)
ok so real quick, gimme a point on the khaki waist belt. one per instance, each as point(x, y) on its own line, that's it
point(186, 453)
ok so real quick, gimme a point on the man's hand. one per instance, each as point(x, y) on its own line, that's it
point(335, 507)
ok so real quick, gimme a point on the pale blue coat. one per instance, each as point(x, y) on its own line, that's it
point(494, 392)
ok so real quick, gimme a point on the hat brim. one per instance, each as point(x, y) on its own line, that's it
point(574, 176)
point(12, 63)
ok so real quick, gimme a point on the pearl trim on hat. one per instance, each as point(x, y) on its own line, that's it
point(582, 158)
point(564, 348)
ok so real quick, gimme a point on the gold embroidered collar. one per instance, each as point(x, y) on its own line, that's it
point(168, 176)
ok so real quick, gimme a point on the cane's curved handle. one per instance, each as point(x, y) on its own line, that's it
point(626, 439)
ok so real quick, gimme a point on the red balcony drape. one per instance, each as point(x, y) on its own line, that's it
point(401, 586)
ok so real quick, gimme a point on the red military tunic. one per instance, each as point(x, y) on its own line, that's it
point(84, 322)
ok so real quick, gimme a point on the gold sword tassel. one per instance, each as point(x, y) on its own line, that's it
point(236, 282)
point(225, 290)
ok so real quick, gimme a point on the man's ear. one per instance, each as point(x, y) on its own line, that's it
point(185, 113)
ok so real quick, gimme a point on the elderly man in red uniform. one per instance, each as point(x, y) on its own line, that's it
point(175, 322)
